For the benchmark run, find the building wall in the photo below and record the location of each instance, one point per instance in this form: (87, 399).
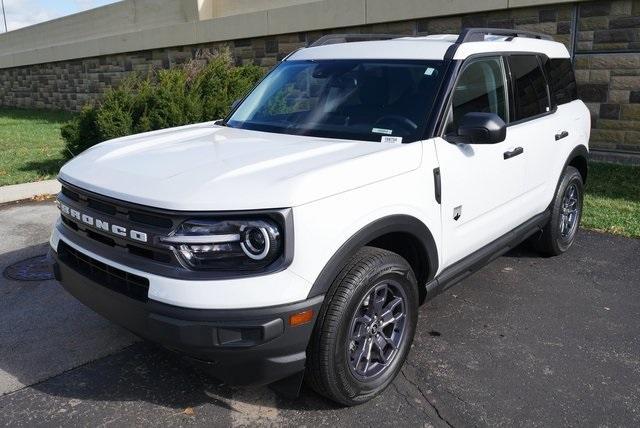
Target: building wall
(607, 61)
(604, 37)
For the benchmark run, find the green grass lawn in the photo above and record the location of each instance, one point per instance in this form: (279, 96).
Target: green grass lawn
(30, 145)
(612, 202)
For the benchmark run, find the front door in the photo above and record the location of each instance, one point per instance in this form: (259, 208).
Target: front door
(481, 183)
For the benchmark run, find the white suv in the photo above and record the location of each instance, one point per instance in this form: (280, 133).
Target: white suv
(361, 177)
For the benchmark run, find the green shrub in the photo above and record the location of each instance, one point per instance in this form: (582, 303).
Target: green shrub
(199, 91)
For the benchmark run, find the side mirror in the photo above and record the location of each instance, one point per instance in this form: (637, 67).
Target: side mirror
(481, 128)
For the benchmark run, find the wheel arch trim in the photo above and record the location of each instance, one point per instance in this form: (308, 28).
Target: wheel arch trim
(400, 223)
(578, 152)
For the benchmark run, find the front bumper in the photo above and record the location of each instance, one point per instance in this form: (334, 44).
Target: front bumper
(237, 346)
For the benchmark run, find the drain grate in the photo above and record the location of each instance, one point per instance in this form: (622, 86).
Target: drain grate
(38, 268)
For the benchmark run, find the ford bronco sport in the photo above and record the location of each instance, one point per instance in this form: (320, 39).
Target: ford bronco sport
(362, 176)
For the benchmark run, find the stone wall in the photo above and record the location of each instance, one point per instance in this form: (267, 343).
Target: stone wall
(607, 60)
(604, 37)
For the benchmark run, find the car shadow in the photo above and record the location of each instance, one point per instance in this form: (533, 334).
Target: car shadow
(149, 373)
(525, 250)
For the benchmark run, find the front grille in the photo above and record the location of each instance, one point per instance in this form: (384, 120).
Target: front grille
(134, 215)
(151, 220)
(101, 238)
(72, 224)
(158, 255)
(117, 280)
(102, 207)
(122, 214)
(70, 194)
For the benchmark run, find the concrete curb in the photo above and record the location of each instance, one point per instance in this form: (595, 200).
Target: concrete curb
(19, 192)
(624, 158)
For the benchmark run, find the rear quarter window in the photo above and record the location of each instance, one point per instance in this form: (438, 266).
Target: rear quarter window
(562, 80)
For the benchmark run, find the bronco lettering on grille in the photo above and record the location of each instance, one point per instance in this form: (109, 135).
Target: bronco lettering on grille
(102, 225)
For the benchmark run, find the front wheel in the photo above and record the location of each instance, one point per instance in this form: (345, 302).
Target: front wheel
(365, 328)
(566, 211)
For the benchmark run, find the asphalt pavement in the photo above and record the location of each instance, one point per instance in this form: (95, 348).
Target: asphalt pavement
(527, 341)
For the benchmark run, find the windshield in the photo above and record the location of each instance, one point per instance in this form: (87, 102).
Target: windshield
(371, 100)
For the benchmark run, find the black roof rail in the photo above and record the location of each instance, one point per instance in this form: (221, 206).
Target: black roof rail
(478, 34)
(466, 35)
(332, 39)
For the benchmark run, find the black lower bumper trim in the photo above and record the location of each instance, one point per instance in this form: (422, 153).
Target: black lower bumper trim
(237, 346)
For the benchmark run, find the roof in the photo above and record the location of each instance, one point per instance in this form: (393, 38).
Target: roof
(433, 47)
(405, 48)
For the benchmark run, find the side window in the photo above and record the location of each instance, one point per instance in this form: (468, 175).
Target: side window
(480, 88)
(530, 88)
(562, 80)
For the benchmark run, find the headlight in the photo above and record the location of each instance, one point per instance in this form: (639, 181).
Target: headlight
(229, 244)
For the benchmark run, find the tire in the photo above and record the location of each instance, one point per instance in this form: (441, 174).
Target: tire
(558, 236)
(332, 352)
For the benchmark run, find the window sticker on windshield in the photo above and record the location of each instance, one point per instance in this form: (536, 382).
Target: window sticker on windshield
(429, 71)
(382, 131)
(396, 140)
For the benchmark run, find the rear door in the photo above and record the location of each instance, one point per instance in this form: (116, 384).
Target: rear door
(568, 121)
(534, 126)
(480, 185)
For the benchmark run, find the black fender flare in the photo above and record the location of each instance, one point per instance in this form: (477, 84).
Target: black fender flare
(578, 151)
(391, 224)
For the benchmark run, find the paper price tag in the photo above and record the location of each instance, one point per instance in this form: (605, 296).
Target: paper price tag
(396, 140)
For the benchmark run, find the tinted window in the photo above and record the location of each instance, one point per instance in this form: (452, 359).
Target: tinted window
(371, 100)
(530, 87)
(480, 88)
(562, 81)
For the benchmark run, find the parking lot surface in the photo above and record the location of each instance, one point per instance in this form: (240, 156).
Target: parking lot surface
(526, 341)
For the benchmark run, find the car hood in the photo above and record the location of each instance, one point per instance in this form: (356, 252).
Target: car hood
(209, 167)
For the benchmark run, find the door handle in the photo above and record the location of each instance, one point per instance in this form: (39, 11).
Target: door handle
(515, 152)
(563, 134)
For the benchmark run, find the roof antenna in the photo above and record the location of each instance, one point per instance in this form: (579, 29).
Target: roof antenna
(4, 17)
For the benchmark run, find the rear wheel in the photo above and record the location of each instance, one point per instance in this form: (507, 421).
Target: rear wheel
(566, 211)
(365, 328)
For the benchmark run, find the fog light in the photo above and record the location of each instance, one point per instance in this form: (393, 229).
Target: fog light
(300, 318)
